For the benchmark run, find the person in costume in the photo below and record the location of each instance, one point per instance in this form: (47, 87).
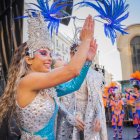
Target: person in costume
(135, 81)
(116, 105)
(130, 100)
(32, 87)
(87, 106)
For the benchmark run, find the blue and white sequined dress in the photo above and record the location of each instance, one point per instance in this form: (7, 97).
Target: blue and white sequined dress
(37, 120)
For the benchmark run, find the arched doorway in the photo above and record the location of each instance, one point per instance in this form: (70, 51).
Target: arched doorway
(135, 48)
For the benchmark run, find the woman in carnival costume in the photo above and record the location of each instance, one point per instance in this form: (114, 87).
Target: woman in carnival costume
(135, 81)
(116, 105)
(32, 88)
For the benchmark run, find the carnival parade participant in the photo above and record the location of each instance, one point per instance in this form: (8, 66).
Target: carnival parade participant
(135, 81)
(117, 115)
(116, 105)
(91, 123)
(30, 94)
(130, 99)
(66, 101)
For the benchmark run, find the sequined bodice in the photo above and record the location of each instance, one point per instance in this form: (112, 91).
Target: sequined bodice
(34, 116)
(37, 120)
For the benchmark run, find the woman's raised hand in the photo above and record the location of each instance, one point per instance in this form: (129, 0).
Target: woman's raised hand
(87, 31)
(92, 50)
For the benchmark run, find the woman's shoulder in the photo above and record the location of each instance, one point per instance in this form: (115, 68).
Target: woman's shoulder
(24, 95)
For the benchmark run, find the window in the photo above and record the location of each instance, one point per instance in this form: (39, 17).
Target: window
(135, 47)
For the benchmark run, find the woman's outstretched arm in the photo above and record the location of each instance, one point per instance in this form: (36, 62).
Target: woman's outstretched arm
(74, 84)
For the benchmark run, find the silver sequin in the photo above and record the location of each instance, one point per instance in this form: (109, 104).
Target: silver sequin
(34, 116)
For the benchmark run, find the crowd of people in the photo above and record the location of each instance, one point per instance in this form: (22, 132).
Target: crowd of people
(125, 106)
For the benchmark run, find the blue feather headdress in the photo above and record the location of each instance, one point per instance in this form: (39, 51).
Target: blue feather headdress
(135, 78)
(111, 11)
(52, 13)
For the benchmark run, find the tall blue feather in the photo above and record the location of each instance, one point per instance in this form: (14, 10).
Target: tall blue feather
(113, 11)
(51, 13)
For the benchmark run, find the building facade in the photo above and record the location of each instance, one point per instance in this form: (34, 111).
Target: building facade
(129, 48)
(62, 45)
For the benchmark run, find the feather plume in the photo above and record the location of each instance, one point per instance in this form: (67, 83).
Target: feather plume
(111, 11)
